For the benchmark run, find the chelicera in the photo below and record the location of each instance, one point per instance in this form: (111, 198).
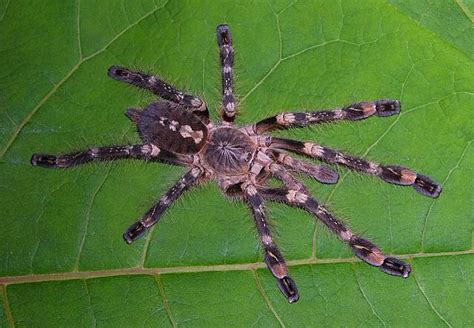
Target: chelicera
(176, 129)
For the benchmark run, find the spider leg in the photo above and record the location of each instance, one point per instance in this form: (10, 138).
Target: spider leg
(320, 173)
(362, 248)
(389, 173)
(109, 153)
(224, 41)
(281, 173)
(353, 112)
(273, 258)
(159, 88)
(152, 216)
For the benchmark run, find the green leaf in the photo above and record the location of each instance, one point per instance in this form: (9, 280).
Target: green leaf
(62, 258)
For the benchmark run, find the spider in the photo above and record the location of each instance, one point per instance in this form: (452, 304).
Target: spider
(176, 129)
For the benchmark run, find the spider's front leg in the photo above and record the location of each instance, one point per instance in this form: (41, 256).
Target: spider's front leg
(159, 88)
(353, 112)
(273, 258)
(152, 216)
(109, 153)
(389, 173)
(224, 41)
(362, 248)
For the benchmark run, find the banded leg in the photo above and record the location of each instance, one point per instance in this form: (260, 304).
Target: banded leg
(273, 258)
(353, 112)
(320, 173)
(109, 153)
(152, 216)
(362, 248)
(159, 88)
(282, 174)
(389, 173)
(224, 41)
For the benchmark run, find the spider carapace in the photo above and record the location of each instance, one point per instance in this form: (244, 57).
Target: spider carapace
(176, 129)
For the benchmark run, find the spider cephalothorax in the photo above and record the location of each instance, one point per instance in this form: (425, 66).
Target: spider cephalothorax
(241, 159)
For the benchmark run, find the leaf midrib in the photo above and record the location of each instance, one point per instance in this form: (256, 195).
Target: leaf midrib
(20, 279)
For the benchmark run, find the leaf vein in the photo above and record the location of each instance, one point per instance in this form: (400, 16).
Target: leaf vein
(465, 10)
(366, 298)
(265, 298)
(429, 301)
(203, 268)
(89, 300)
(5, 10)
(164, 300)
(81, 60)
(88, 217)
(6, 307)
(450, 172)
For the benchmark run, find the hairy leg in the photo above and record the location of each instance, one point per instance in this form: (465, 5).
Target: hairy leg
(320, 173)
(362, 248)
(273, 258)
(353, 112)
(224, 41)
(152, 216)
(389, 173)
(109, 153)
(160, 88)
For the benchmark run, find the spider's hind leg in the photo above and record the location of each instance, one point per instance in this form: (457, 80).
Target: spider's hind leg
(273, 258)
(362, 248)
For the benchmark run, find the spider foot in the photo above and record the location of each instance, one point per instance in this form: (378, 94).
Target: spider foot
(134, 232)
(387, 107)
(372, 255)
(406, 177)
(395, 267)
(288, 287)
(324, 174)
(426, 186)
(382, 107)
(223, 35)
(123, 74)
(44, 160)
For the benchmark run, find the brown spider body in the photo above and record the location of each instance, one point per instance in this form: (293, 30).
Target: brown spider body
(228, 152)
(177, 130)
(168, 126)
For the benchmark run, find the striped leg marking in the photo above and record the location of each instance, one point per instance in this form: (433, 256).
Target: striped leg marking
(320, 173)
(389, 173)
(353, 112)
(273, 258)
(153, 215)
(159, 88)
(362, 248)
(224, 41)
(109, 153)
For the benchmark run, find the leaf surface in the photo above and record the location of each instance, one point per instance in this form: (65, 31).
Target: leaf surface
(62, 258)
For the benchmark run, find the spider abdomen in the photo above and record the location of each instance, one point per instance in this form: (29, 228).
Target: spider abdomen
(172, 127)
(229, 151)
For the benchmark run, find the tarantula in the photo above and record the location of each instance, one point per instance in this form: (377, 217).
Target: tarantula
(176, 129)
